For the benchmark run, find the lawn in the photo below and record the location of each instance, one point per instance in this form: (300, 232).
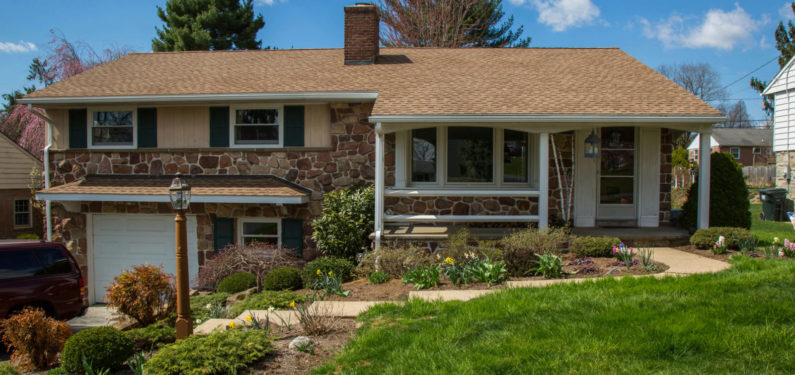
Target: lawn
(765, 231)
(738, 321)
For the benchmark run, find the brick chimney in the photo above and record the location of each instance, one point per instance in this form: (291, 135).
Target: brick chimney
(361, 34)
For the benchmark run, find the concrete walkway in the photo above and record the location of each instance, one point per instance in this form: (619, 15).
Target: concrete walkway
(680, 263)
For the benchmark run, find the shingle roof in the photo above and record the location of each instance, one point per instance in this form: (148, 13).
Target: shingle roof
(743, 137)
(250, 186)
(409, 81)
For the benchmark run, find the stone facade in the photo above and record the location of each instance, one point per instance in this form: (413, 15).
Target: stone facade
(666, 177)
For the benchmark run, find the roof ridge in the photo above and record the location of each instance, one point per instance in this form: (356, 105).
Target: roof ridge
(382, 48)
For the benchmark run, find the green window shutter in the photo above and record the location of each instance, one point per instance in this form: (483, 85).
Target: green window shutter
(219, 126)
(78, 128)
(294, 125)
(147, 127)
(223, 232)
(293, 235)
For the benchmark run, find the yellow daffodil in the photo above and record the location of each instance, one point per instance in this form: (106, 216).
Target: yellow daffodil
(231, 324)
(466, 255)
(449, 260)
(330, 273)
(292, 304)
(248, 318)
(270, 309)
(318, 272)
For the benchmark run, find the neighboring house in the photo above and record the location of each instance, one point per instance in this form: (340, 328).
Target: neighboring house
(781, 89)
(446, 136)
(17, 214)
(750, 147)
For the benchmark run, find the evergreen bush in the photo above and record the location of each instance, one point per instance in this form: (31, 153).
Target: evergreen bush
(343, 228)
(237, 282)
(706, 238)
(341, 268)
(281, 278)
(587, 246)
(728, 196)
(102, 347)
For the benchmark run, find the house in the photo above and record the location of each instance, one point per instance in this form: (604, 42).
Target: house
(780, 88)
(18, 216)
(750, 147)
(461, 136)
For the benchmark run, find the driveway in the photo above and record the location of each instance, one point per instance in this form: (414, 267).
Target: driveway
(96, 316)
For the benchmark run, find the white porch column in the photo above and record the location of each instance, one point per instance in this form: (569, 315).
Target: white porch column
(705, 152)
(379, 184)
(543, 180)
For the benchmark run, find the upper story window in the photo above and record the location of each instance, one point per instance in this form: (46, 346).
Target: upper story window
(256, 126)
(113, 129)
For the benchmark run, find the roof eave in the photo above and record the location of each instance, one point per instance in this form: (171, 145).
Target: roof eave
(324, 96)
(572, 118)
(163, 198)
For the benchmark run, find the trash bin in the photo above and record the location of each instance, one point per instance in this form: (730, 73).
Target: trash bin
(774, 204)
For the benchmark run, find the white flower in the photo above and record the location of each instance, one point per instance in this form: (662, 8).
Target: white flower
(270, 309)
(775, 239)
(209, 306)
(198, 321)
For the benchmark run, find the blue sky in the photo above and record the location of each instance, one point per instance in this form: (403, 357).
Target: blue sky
(734, 37)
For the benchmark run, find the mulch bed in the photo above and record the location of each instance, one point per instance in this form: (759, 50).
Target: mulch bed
(722, 257)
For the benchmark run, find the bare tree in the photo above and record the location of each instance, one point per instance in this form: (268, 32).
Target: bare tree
(699, 79)
(427, 23)
(736, 115)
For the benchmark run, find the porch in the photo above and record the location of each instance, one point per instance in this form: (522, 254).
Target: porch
(443, 177)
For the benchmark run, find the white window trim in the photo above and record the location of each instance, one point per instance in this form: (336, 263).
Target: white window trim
(90, 125)
(731, 151)
(29, 212)
(232, 123)
(497, 163)
(278, 221)
(757, 150)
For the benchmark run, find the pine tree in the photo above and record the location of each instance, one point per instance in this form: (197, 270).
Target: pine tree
(204, 25)
(785, 44)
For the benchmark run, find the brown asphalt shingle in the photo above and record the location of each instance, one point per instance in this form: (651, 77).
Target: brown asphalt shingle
(427, 81)
(259, 186)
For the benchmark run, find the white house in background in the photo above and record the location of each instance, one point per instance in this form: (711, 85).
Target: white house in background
(781, 88)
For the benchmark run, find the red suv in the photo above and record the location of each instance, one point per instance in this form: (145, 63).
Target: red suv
(41, 275)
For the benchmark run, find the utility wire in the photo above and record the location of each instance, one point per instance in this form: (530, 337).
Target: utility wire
(751, 72)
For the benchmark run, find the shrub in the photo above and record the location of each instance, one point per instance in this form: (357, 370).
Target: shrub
(34, 338)
(237, 282)
(315, 319)
(256, 258)
(460, 243)
(706, 238)
(151, 336)
(728, 196)
(102, 347)
(216, 353)
(9, 369)
(519, 249)
(28, 236)
(588, 246)
(342, 268)
(423, 277)
(379, 277)
(146, 294)
(281, 278)
(394, 259)
(266, 299)
(343, 227)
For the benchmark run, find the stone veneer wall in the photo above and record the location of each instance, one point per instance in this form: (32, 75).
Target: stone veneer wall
(349, 160)
(666, 176)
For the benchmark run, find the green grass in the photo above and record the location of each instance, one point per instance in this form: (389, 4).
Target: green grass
(765, 231)
(738, 321)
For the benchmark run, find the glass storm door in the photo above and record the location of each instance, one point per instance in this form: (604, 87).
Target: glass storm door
(617, 188)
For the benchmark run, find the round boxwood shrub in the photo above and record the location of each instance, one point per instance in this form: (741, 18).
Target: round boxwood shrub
(343, 227)
(593, 246)
(281, 278)
(728, 196)
(341, 268)
(237, 282)
(706, 238)
(103, 348)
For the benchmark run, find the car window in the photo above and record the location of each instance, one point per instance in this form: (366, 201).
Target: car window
(53, 261)
(18, 263)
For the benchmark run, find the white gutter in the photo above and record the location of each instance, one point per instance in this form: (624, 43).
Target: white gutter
(47, 204)
(331, 95)
(76, 197)
(544, 118)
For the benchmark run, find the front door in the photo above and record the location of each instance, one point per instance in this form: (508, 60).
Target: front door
(617, 187)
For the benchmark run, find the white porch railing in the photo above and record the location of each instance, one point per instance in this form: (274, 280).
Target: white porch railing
(460, 218)
(459, 193)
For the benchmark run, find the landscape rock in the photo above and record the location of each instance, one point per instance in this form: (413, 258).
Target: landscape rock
(300, 343)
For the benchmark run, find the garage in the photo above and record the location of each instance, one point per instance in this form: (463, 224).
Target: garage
(121, 241)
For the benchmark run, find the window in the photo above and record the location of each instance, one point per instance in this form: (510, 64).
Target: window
(735, 151)
(22, 213)
(113, 128)
(256, 127)
(470, 154)
(515, 151)
(423, 155)
(53, 262)
(757, 150)
(259, 230)
(18, 263)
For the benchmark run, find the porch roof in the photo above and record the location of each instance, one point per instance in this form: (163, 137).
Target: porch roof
(204, 189)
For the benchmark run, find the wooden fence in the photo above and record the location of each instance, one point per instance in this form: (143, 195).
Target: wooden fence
(762, 176)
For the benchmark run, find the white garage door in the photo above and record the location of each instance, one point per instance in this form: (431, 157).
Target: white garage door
(123, 241)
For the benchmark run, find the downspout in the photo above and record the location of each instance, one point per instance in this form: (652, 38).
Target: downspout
(47, 203)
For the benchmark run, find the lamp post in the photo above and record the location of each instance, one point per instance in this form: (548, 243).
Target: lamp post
(179, 193)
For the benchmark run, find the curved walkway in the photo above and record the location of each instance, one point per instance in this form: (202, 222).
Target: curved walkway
(679, 262)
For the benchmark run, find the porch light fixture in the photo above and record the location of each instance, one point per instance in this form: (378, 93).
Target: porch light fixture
(592, 145)
(179, 193)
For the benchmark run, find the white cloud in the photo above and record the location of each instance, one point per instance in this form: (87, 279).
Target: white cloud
(785, 12)
(21, 47)
(268, 2)
(562, 14)
(718, 29)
